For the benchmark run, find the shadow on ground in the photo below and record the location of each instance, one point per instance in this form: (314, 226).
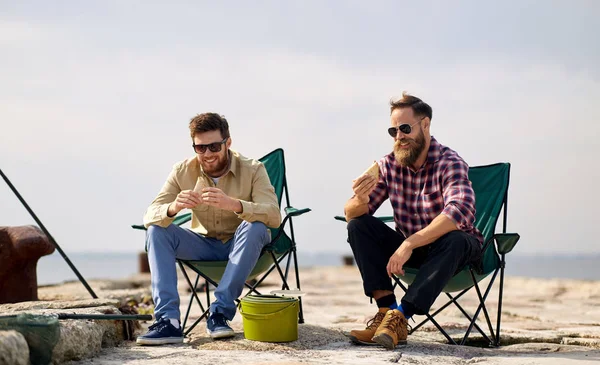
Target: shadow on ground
(309, 337)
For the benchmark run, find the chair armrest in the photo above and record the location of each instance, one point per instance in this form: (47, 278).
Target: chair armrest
(506, 241)
(385, 219)
(289, 213)
(179, 220)
(293, 212)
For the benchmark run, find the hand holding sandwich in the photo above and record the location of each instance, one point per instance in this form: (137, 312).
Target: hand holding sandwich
(217, 198)
(185, 199)
(365, 183)
(362, 187)
(210, 196)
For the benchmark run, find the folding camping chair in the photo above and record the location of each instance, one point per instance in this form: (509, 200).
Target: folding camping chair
(282, 246)
(490, 184)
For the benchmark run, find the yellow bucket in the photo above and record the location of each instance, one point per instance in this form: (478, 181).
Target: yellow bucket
(269, 318)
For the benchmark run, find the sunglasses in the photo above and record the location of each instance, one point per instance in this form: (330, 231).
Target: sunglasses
(213, 147)
(404, 128)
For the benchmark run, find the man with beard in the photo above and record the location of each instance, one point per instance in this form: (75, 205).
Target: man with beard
(232, 203)
(434, 211)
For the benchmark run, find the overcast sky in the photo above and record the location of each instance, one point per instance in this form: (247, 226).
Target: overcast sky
(95, 99)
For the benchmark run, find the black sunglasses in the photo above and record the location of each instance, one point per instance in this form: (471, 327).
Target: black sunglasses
(404, 128)
(213, 147)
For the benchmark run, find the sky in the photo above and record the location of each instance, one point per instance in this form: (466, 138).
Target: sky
(95, 100)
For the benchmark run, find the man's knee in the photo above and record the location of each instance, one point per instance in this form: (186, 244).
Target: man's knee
(257, 232)
(156, 231)
(453, 240)
(158, 235)
(360, 221)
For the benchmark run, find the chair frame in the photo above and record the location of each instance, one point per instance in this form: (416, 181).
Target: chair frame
(276, 258)
(276, 261)
(494, 337)
(504, 243)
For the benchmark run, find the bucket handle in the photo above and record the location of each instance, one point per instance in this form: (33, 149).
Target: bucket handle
(262, 316)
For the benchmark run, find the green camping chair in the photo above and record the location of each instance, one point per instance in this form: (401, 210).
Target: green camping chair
(490, 184)
(282, 246)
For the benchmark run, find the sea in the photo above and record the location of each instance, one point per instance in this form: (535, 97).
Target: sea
(53, 269)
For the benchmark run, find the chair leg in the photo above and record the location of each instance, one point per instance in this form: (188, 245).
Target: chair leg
(464, 312)
(187, 312)
(450, 340)
(205, 314)
(285, 284)
(187, 278)
(252, 288)
(207, 290)
(440, 309)
(495, 337)
(207, 310)
(301, 314)
(287, 265)
(501, 289)
(480, 307)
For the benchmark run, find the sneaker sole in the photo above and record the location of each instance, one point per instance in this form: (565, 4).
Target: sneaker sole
(220, 334)
(159, 341)
(387, 341)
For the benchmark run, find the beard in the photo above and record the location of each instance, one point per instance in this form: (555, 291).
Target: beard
(406, 157)
(216, 168)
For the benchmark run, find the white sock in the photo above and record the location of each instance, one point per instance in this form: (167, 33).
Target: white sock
(174, 322)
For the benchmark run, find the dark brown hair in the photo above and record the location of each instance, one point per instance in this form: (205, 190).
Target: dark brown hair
(419, 107)
(207, 122)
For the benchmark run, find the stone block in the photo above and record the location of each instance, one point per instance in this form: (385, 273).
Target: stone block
(13, 348)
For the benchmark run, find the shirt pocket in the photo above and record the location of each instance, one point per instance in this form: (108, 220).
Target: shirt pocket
(432, 204)
(201, 213)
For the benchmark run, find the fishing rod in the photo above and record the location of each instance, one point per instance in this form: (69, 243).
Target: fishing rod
(52, 240)
(112, 317)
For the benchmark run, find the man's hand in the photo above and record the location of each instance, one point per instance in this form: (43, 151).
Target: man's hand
(217, 198)
(185, 199)
(398, 260)
(363, 186)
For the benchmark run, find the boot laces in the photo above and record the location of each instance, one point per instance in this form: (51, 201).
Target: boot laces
(393, 323)
(159, 324)
(374, 322)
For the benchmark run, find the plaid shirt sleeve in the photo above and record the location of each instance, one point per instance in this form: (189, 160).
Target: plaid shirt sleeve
(459, 198)
(379, 194)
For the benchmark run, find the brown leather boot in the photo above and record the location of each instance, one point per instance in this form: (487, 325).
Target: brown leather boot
(392, 331)
(365, 337)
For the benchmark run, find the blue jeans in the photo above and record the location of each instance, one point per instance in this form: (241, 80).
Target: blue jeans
(167, 244)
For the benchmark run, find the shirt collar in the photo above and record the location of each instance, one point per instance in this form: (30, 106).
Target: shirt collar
(234, 159)
(435, 151)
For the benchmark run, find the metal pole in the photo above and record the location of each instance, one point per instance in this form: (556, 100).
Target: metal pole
(502, 265)
(41, 225)
(118, 317)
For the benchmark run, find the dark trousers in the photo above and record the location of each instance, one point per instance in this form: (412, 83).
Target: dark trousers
(373, 243)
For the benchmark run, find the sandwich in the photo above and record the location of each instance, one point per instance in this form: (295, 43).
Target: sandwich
(373, 171)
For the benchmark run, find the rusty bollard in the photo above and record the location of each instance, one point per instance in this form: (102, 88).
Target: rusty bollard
(20, 249)
(143, 265)
(348, 260)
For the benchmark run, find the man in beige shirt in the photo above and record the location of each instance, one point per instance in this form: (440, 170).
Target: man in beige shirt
(232, 203)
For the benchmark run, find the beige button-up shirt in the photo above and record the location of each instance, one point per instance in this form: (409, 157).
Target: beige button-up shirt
(246, 180)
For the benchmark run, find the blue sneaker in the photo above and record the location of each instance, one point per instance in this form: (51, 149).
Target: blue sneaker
(217, 326)
(162, 332)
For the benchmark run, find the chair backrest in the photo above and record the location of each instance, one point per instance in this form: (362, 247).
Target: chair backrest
(490, 184)
(274, 162)
(275, 165)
